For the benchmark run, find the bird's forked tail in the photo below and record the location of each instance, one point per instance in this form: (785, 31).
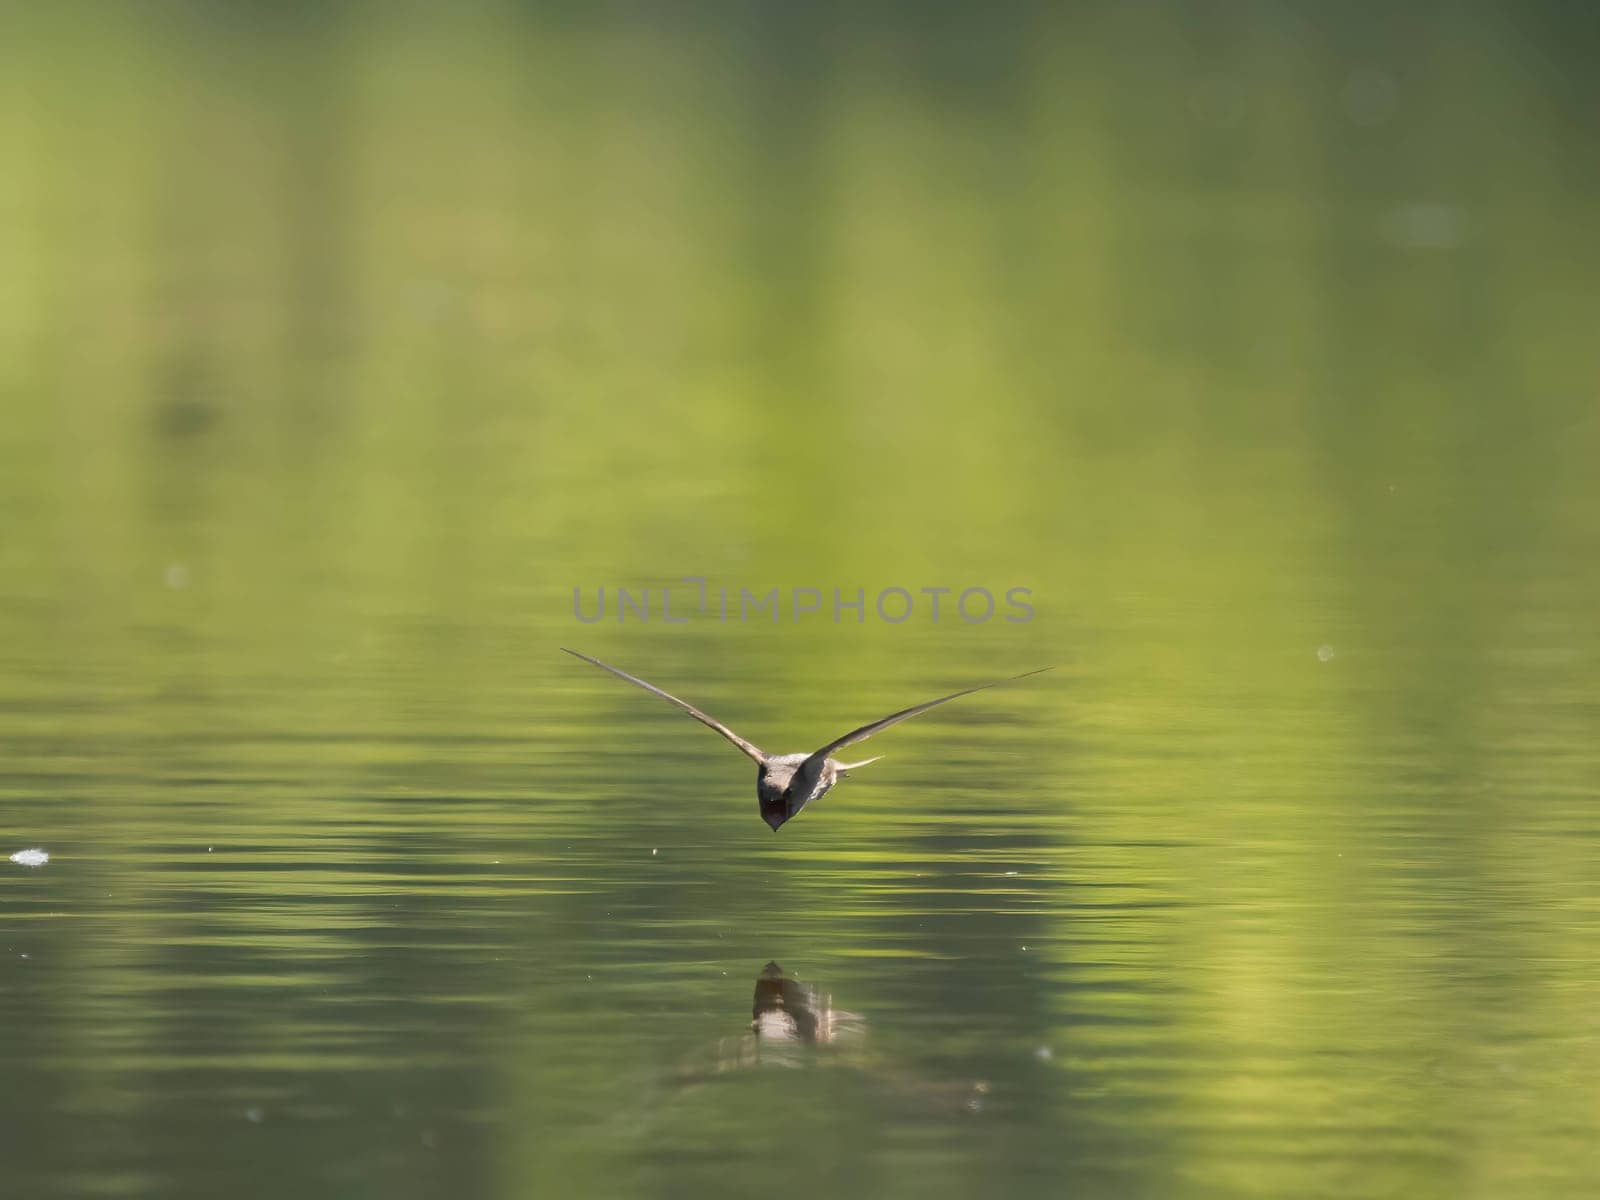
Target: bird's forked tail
(846, 768)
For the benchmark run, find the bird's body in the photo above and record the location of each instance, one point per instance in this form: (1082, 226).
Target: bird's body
(786, 783)
(776, 781)
(774, 776)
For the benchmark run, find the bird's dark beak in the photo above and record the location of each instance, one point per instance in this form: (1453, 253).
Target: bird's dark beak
(774, 819)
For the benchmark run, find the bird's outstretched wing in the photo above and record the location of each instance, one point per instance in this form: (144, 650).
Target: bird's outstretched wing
(905, 714)
(749, 748)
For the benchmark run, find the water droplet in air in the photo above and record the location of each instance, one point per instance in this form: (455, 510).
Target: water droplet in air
(1369, 96)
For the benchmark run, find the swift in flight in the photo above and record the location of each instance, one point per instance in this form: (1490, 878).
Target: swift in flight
(786, 783)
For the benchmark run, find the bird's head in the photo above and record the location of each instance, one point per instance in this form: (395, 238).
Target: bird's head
(775, 791)
(776, 811)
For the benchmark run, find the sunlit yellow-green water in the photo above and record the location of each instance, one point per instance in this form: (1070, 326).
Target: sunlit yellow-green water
(340, 346)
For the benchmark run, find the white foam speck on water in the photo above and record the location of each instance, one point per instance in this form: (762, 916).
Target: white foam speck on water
(30, 858)
(1427, 226)
(1324, 653)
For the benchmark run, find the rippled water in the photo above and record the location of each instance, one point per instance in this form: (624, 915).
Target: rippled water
(339, 351)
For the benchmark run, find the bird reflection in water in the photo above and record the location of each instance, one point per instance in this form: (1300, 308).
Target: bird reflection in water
(794, 1024)
(786, 1012)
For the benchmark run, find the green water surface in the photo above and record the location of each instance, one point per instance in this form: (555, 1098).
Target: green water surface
(340, 344)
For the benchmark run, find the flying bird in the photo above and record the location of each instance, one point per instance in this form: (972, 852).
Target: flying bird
(786, 783)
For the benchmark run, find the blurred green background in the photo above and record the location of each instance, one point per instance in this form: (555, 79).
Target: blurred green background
(340, 343)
